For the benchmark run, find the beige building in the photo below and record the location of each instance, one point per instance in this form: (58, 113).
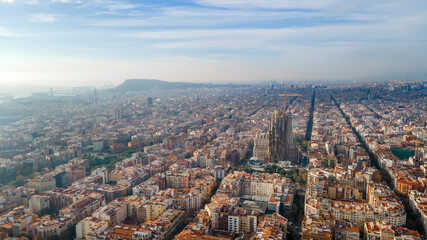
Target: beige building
(418, 202)
(135, 204)
(174, 181)
(39, 202)
(81, 208)
(315, 227)
(273, 227)
(90, 227)
(43, 184)
(45, 227)
(380, 230)
(192, 200)
(258, 187)
(146, 189)
(114, 214)
(156, 206)
(206, 185)
(261, 146)
(115, 175)
(242, 223)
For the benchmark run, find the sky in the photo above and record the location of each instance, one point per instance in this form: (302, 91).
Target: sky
(104, 42)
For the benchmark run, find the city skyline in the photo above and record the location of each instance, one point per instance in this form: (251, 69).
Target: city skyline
(161, 161)
(72, 43)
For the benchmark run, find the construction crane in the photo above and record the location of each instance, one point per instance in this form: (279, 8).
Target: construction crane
(287, 95)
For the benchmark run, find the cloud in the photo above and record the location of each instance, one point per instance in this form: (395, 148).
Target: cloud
(68, 1)
(215, 16)
(63, 1)
(108, 6)
(267, 4)
(191, 16)
(43, 17)
(31, 2)
(245, 39)
(119, 6)
(399, 29)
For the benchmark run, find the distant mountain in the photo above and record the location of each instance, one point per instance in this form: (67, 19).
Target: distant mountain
(151, 84)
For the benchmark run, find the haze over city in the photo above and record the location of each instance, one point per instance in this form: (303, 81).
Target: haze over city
(79, 43)
(213, 120)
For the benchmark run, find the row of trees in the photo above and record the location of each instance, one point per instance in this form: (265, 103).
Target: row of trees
(296, 175)
(110, 160)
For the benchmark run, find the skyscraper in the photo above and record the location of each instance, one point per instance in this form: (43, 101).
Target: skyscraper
(118, 113)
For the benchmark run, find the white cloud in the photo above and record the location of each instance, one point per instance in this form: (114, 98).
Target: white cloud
(43, 17)
(31, 2)
(271, 4)
(108, 6)
(205, 16)
(68, 1)
(119, 6)
(190, 17)
(396, 29)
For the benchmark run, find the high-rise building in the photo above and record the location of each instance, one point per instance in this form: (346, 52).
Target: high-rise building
(150, 101)
(118, 113)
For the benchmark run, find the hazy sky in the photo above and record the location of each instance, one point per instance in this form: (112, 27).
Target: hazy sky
(97, 42)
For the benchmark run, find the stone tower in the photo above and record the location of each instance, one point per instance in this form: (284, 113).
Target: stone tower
(281, 143)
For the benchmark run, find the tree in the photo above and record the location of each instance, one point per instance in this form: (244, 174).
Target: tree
(55, 237)
(72, 231)
(274, 168)
(248, 169)
(65, 235)
(53, 212)
(410, 224)
(292, 234)
(19, 181)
